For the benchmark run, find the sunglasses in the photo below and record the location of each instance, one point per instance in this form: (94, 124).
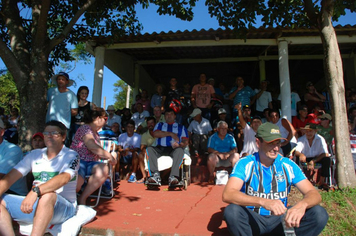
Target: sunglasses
(52, 133)
(105, 118)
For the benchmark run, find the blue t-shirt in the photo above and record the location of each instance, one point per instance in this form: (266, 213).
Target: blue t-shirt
(225, 145)
(272, 182)
(60, 105)
(243, 95)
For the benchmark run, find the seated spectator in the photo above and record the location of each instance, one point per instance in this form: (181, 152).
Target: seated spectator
(311, 149)
(11, 134)
(10, 155)
(37, 141)
(140, 115)
(133, 106)
(87, 144)
(295, 102)
(223, 117)
(263, 98)
(53, 198)
(112, 118)
(129, 148)
(257, 193)
(147, 140)
(250, 146)
(199, 131)
(14, 117)
(246, 113)
(172, 138)
(110, 134)
(144, 100)
(313, 98)
(174, 95)
(287, 131)
(325, 129)
(157, 114)
(300, 120)
(126, 116)
(265, 117)
(222, 150)
(158, 98)
(314, 116)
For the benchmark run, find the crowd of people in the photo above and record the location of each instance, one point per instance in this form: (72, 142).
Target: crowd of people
(217, 127)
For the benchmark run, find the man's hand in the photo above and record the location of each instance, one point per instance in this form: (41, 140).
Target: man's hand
(294, 215)
(175, 144)
(175, 137)
(302, 158)
(112, 160)
(238, 106)
(28, 202)
(275, 206)
(310, 165)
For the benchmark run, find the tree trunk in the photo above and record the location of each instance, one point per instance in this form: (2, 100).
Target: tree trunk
(334, 77)
(32, 91)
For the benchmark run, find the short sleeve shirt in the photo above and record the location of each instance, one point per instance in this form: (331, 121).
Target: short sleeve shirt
(129, 142)
(272, 182)
(318, 146)
(176, 128)
(60, 105)
(202, 94)
(263, 101)
(147, 139)
(43, 169)
(79, 146)
(222, 145)
(243, 96)
(250, 146)
(201, 128)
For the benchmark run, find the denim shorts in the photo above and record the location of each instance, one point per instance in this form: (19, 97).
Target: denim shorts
(86, 167)
(63, 209)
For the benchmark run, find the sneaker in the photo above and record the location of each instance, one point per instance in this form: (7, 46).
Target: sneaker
(132, 179)
(117, 177)
(172, 180)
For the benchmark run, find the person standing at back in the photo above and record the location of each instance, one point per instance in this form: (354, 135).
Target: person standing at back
(62, 102)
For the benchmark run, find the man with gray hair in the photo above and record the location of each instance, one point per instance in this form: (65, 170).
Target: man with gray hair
(222, 150)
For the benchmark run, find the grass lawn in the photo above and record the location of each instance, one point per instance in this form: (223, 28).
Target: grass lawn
(341, 207)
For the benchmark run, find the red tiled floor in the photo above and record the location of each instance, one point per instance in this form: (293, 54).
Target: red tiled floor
(135, 210)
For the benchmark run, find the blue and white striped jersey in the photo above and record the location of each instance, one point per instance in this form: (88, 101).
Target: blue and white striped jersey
(176, 128)
(272, 182)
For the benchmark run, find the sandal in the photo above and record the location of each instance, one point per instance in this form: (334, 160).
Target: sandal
(141, 181)
(211, 180)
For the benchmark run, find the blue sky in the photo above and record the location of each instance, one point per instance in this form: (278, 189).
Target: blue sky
(153, 22)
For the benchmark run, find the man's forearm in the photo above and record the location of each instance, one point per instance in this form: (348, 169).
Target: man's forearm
(55, 183)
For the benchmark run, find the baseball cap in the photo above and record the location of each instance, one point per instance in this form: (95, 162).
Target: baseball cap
(195, 112)
(211, 79)
(221, 111)
(38, 134)
(54, 78)
(269, 132)
(309, 83)
(246, 107)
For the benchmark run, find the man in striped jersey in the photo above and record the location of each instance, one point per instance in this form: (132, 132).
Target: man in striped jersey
(258, 188)
(172, 138)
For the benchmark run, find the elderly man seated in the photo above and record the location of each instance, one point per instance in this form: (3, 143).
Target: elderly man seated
(222, 150)
(311, 149)
(199, 131)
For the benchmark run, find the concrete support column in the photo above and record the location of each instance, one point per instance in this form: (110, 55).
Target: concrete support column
(98, 75)
(284, 79)
(136, 87)
(262, 70)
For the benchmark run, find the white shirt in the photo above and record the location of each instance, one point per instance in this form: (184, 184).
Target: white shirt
(250, 146)
(201, 128)
(130, 142)
(139, 117)
(318, 146)
(263, 101)
(114, 119)
(294, 100)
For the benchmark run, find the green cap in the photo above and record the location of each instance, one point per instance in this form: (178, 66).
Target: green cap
(269, 132)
